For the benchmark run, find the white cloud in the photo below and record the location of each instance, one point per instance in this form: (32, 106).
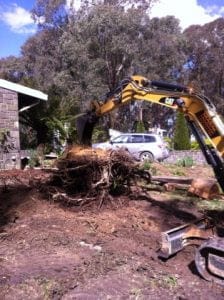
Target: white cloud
(18, 19)
(73, 4)
(215, 9)
(188, 12)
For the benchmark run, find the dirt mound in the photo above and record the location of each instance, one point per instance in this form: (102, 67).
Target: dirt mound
(160, 168)
(50, 251)
(79, 151)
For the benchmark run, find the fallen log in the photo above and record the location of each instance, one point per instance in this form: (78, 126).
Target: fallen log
(172, 179)
(203, 188)
(175, 186)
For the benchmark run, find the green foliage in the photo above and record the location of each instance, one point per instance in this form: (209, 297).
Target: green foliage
(195, 145)
(78, 56)
(99, 135)
(6, 142)
(108, 43)
(34, 160)
(215, 204)
(147, 165)
(61, 129)
(185, 162)
(178, 172)
(140, 127)
(169, 142)
(205, 50)
(49, 13)
(181, 139)
(170, 281)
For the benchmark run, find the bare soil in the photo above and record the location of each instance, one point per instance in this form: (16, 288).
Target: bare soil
(52, 251)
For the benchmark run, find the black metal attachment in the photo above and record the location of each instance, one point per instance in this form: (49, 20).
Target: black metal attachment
(210, 155)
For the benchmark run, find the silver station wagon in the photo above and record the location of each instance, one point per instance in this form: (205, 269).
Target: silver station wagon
(142, 146)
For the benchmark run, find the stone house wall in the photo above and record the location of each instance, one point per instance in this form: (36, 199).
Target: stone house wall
(9, 121)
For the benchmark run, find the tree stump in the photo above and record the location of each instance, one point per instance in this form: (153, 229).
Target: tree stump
(204, 188)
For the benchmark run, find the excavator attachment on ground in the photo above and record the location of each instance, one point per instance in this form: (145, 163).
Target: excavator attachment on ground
(209, 257)
(205, 123)
(176, 239)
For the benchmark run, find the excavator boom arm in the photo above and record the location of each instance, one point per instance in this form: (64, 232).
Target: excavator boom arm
(196, 107)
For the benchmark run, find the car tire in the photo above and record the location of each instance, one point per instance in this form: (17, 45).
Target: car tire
(146, 156)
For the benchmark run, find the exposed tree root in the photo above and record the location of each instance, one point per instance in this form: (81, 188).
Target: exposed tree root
(94, 176)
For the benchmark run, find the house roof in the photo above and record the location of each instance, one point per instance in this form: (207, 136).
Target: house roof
(21, 89)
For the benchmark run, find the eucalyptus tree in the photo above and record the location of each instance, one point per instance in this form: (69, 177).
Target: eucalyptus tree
(50, 14)
(161, 58)
(205, 67)
(41, 57)
(83, 53)
(11, 68)
(98, 49)
(105, 43)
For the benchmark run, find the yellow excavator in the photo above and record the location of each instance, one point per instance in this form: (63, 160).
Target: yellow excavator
(205, 123)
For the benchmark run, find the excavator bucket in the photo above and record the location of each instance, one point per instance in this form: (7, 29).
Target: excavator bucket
(176, 239)
(85, 124)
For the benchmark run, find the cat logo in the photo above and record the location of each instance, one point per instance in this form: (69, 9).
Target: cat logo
(169, 101)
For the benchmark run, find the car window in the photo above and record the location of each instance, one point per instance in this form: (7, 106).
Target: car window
(121, 139)
(149, 139)
(137, 138)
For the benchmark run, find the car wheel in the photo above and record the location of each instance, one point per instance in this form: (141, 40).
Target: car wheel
(146, 156)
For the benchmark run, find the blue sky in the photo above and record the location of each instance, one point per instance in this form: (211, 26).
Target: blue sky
(16, 24)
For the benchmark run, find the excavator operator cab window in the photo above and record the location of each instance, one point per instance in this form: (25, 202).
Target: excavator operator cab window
(143, 82)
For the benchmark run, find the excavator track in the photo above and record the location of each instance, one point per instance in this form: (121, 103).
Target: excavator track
(209, 260)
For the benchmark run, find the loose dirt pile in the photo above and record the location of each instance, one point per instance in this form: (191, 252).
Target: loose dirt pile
(52, 250)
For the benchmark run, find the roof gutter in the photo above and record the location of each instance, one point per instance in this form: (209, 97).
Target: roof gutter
(22, 89)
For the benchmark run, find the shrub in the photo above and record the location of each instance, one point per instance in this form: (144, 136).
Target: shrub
(6, 141)
(181, 134)
(147, 165)
(195, 145)
(99, 135)
(168, 142)
(185, 162)
(140, 127)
